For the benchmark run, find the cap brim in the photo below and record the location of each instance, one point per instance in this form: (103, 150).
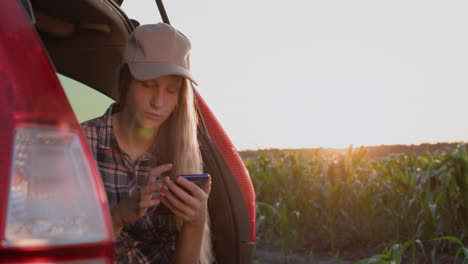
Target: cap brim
(149, 70)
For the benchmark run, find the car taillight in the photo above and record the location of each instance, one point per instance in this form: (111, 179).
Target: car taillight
(72, 262)
(52, 197)
(53, 207)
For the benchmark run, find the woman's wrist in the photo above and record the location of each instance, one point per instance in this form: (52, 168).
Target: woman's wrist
(116, 220)
(197, 224)
(195, 229)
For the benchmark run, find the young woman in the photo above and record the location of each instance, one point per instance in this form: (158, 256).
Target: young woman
(149, 133)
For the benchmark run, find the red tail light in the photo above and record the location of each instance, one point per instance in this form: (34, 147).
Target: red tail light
(52, 204)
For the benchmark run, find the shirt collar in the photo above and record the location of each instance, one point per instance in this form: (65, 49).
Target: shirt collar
(107, 139)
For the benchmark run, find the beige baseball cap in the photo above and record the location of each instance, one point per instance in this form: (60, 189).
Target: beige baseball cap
(155, 50)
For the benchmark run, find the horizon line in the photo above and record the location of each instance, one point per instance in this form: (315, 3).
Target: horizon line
(354, 146)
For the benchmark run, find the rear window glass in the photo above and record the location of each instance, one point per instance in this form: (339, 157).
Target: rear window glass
(86, 102)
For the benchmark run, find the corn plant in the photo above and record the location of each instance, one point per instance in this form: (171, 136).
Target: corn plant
(392, 255)
(339, 201)
(461, 250)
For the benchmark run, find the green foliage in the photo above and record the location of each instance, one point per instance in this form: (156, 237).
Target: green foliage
(338, 201)
(461, 250)
(392, 255)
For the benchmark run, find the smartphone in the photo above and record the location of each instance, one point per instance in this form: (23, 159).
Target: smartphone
(199, 179)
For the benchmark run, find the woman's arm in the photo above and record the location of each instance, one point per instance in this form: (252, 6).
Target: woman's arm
(135, 207)
(189, 244)
(193, 209)
(116, 221)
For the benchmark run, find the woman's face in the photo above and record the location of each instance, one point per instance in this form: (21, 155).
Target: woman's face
(151, 102)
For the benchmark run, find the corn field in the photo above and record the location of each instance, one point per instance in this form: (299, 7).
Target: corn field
(344, 201)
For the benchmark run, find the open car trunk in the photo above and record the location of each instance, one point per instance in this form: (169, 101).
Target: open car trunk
(85, 40)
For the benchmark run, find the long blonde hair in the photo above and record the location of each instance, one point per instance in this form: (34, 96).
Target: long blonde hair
(177, 137)
(177, 143)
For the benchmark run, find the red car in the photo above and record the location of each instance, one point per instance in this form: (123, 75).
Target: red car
(53, 207)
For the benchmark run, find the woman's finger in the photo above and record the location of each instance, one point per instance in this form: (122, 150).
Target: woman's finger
(149, 203)
(207, 187)
(180, 204)
(180, 193)
(154, 173)
(147, 191)
(171, 207)
(196, 191)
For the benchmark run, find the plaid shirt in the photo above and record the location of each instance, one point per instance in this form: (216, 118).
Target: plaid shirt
(152, 239)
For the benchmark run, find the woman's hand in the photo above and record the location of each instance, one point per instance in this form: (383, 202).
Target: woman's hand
(191, 208)
(138, 204)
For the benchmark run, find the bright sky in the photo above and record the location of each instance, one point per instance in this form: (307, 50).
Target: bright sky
(295, 74)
